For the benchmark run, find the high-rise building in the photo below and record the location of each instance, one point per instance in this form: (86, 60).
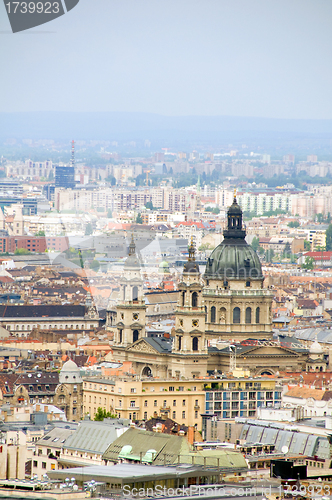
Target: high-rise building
(64, 176)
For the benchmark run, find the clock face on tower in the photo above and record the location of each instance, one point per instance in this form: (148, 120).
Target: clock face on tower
(135, 316)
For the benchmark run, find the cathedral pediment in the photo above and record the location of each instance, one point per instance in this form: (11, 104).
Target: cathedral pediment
(136, 326)
(267, 351)
(142, 346)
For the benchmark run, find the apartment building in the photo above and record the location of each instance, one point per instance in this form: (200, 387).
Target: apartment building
(230, 398)
(30, 169)
(122, 199)
(182, 401)
(262, 202)
(48, 448)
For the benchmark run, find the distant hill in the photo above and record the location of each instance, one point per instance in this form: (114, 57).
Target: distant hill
(141, 126)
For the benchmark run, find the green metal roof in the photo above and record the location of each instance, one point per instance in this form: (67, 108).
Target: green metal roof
(150, 447)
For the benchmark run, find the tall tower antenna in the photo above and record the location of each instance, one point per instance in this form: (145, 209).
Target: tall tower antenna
(72, 153)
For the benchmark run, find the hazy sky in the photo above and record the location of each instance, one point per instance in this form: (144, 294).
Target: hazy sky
(264, 58)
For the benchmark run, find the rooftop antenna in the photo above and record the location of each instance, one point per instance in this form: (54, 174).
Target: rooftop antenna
(73, 153)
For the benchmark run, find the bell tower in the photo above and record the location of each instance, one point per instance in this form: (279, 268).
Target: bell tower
(190, 312)
(131, 310)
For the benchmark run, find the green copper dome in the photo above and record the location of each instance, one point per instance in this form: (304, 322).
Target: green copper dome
(233, 257)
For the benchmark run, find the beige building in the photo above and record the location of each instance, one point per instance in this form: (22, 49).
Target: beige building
(180, 400)
(47, 451)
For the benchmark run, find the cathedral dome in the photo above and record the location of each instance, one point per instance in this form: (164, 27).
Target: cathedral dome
(233, 257)
(315, 348)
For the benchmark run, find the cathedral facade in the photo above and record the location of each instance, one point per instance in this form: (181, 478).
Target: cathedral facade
(227, 303)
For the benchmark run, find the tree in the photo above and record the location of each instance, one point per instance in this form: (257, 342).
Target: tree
(40, 233)
(308, 263)
(287, 251)
(328, 234)
(88, 229)
(111, 179)
(102, 413)
(293, 223)
(205, 246)
(307, 245)
(139, 219)
(149, 205)
(21, 251)
(95, 265)
(255, 243)
(269, 254)
(260, 250)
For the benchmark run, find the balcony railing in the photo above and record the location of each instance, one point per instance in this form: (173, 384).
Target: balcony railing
(237, 293)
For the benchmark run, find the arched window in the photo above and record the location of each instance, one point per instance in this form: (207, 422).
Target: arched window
(135, 335)
(248, 315)
(135, 293)
(195, 344)
(213, 314)
(146, 372)
(120, 336)
(236, 315)
(183, 297)
(257, 314)
(194, 299)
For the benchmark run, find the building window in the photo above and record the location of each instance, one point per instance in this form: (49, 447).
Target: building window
(35, 463)
(132, 404)
(183, 402)
(174, 415)
(43, 465)
(183, 414)
(194, 299)
(195, 344)
(236, 315)
(146, 402)
(196, 414)
(213, 314)
(171, 389)
(155, 403)
(248, 315)
(257, 314)
(145, 415)
(133, 389)
(174, 402)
